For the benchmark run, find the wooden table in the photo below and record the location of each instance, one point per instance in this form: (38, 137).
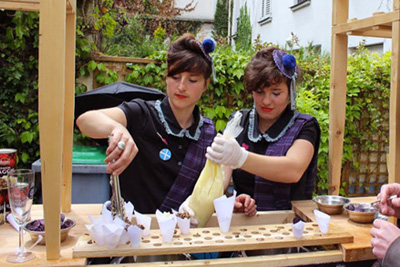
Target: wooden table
(9, 238)
(359, 250)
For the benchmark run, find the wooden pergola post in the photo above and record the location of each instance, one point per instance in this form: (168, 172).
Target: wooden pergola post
(56, 107)
(380, 25)
(337, 101)
(394, 115)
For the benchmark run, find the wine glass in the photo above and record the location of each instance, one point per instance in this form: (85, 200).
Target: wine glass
(20, 195)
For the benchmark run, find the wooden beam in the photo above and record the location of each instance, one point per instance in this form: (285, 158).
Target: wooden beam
(382, 28)
(279, 260)
(363, 24)
(68, 111)
(337, 102)
(372, 33)
(23, 5)
(394, 112)
(52, 52)
(71, 6)
(126, 59)
(396, 5)
(32, 5)
(340, 11)
(337, 110)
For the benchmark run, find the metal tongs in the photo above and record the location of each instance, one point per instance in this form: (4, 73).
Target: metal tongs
(379, 200)
(117, 202)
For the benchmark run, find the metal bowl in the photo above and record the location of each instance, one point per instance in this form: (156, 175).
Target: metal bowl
(362, 213)
(35, 234)
(331, 204)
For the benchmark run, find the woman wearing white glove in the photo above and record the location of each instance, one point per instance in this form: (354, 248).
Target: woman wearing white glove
(274, 158)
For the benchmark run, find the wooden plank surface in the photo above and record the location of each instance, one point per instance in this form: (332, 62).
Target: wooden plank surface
(80, 212)
(9, 238)
(210, 239)
(280, 260)
(360, 248)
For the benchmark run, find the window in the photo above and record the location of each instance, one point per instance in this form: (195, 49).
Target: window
(265, 11)
(298, 4)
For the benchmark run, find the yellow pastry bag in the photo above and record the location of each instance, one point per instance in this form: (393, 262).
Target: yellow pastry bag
(210, 184)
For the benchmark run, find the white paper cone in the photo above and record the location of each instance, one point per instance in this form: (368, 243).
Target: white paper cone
(224, 209)
(144, 220)
(96, 232)
(184, 225)
(167, 223)
(298, 229)
(322, 220)
(167, 229)
(129, 210)
(112, 235)
(135, 235)
(106, 214)
(124, 237)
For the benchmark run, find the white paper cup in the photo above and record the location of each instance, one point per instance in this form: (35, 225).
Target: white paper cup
(224, 209)
(112, 235)
(135, 235)
(323, 220)
(298, 229)
(167, 229)
(144, 220)
(184, 225)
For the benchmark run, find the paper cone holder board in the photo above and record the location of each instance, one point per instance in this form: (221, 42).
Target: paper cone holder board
(210, 239)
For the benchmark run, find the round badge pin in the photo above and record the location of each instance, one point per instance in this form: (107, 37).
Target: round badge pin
(165, 154)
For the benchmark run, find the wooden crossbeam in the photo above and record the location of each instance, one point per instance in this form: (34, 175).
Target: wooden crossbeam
(22, 5)
(367, 23)
(372, 33)
(31, 5)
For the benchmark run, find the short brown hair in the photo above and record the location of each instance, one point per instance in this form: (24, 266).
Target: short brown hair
(184, 55)
(262, 71)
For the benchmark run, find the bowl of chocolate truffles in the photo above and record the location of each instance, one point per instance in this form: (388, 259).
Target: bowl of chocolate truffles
(361, 212)
(36, 228)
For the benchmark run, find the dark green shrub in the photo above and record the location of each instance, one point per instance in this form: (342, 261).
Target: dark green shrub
(19, 85)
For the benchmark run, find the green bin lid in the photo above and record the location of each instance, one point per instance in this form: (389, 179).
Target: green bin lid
(88, 154)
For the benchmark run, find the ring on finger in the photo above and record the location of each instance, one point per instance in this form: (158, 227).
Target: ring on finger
(121, 145)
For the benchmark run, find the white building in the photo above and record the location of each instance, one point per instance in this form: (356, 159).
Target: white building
(204, 12)
(309, 20)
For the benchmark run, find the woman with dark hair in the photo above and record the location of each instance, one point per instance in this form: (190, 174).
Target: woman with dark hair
(159, 146)
(274, 158)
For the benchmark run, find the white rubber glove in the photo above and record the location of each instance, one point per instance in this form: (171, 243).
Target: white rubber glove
(184, 208)
(227, 152)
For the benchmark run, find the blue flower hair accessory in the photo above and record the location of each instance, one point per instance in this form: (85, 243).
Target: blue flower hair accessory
(207, 47)
(286, 63)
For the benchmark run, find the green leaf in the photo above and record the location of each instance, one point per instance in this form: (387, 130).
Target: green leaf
(26, 137)
(92, 65)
